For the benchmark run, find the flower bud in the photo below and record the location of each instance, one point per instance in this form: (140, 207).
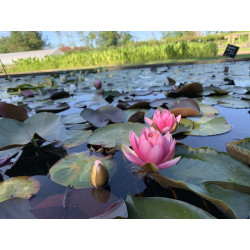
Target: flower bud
(98, 84)
(99, 174)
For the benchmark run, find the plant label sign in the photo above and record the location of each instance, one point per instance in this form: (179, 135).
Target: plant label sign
(231, 51)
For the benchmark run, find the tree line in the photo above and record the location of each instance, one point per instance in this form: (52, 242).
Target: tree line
(19, 41)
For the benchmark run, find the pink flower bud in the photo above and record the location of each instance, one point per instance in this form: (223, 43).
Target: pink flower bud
(98, 84)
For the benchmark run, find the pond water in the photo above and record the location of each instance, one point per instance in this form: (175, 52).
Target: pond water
(58, 201)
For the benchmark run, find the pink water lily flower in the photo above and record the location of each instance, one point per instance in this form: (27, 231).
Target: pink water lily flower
(164, 122)
(151, 147)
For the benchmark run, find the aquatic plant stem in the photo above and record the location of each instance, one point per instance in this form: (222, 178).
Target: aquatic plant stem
(37, 148)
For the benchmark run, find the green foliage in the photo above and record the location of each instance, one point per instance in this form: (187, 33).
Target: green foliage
(19, 41)
(117, 56)
(104, 39)
(185, 49)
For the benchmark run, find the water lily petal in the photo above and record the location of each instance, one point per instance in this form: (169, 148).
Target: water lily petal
(134, 140)
(148, 121)
(155, 155)
(131, 156)
(165, 130)
(159, 123)
(170, 152)
(178, 118)
(144, 149)
(169, 164)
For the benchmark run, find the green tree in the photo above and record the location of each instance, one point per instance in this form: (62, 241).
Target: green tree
(108, 38)
(171, 34)
(19, 41)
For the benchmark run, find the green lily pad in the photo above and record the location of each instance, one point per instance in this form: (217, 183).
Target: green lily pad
(72, 119)
(208, 109)
(184, 126)
(20, 187)
(163, 208)
(240, 149)
(14, 133)
(234, 103)
(75, 138)
(213, 100)
(207, 125)
(202, 166)
(114, 135)
(75, 169)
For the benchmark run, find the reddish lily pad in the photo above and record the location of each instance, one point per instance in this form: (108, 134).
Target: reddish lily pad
(187, 107)
(13, 112)
(79, 204)
(27, 93)
(103, 115)
(187, 90)
(53, 108)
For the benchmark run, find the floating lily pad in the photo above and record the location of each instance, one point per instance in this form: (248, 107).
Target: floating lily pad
(187, 107)
(129, 112)
(14, 133)
(59, 95)
(184, 126)
(234, 103)
(72, 119)
(13, 112)
(15, 208)
(114, 135)
(240, 149)
(75, 169)
(27, 93)
(103, 115)
(207, 125)
(163, 208)
(82, 126)
(187, 90)
(142, 93)
(75, 138)
(213, 100)
(208, 109)
(54, 108)
(20, 187)
(171, 81)
(202, 166)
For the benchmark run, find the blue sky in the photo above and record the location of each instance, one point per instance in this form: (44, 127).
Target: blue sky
(70, 37)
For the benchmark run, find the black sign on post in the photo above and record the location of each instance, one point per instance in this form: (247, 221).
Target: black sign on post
(231, 51)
